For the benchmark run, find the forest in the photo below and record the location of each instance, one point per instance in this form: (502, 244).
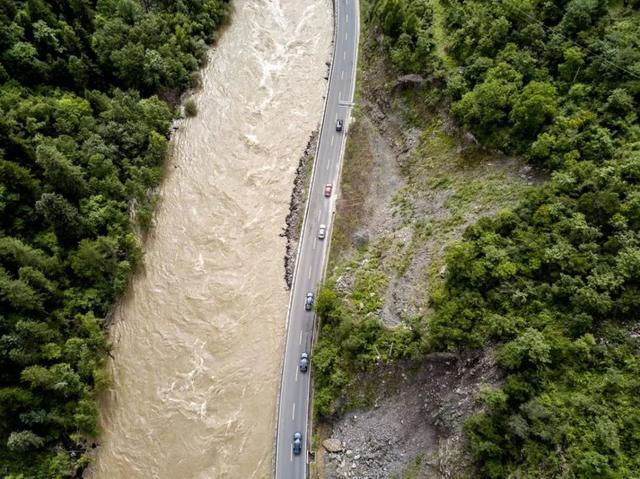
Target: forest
(552, 285)
(88, 89)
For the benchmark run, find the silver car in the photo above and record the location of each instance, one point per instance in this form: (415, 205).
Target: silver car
(308, 302)
(322, 231)
(297, 443)
(304, 362)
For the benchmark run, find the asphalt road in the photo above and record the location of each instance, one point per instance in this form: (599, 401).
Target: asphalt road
(293, 410)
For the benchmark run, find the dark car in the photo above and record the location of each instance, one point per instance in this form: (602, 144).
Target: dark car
(338, 125)
(327, 190)
(297, 443)
(304, 362)
(308, 302)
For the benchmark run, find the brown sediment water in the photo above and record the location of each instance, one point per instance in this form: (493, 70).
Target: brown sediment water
(197, 340)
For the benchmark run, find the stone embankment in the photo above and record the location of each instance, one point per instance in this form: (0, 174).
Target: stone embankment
(297, 205)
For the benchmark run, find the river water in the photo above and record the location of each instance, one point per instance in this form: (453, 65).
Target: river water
(197, 341)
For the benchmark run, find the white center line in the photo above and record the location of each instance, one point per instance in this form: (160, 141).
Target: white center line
(300, 342)
(347, 18)
(344, 56)
(346, 35)
(291, 455)
(293, 414)
(315, 241)
(296, 374)
(319, 214)
(332, 138)
(310, 269)
(327, 167)
(342, 75)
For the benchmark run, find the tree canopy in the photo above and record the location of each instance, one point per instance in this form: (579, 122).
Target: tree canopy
(554, 283)
(87, 90)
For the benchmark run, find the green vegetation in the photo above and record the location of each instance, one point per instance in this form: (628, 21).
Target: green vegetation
(413, 470)
(86, 94)
(190, 108)
(407, 26)
(554, 282)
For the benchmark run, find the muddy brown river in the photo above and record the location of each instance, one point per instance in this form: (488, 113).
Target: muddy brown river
(197, 341)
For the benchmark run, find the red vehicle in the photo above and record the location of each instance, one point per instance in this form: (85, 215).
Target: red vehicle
(327, 189)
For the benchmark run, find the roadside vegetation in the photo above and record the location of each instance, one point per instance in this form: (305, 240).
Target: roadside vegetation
(550, 279)
(87, 91)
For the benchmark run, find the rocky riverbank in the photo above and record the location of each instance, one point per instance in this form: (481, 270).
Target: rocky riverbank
(296, 206)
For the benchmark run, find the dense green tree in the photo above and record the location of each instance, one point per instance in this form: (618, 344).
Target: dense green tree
(85, 92)
(553, 284)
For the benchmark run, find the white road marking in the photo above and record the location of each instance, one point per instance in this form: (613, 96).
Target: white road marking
(344, 55)
(332, 138)
(315, 240)
(296, 374)
(291, 455)
(327, 167)
(346, 35)
(319, 212)
(300, 342)
(310, 269)
(347, 18)
(342, 75)
(293, 414)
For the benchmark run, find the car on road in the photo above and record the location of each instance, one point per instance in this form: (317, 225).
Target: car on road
(304, 362)
(297, 442)
(327, 190)
(322, 231)
(338, 125)
(308, 301)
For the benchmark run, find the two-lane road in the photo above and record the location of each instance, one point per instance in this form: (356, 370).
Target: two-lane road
(293, 410)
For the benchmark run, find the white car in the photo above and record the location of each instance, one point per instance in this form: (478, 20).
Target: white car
(322, 231)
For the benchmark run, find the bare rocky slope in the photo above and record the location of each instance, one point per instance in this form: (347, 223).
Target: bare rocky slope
(414, 428)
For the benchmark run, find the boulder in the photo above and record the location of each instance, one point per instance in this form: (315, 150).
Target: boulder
(332, 445)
